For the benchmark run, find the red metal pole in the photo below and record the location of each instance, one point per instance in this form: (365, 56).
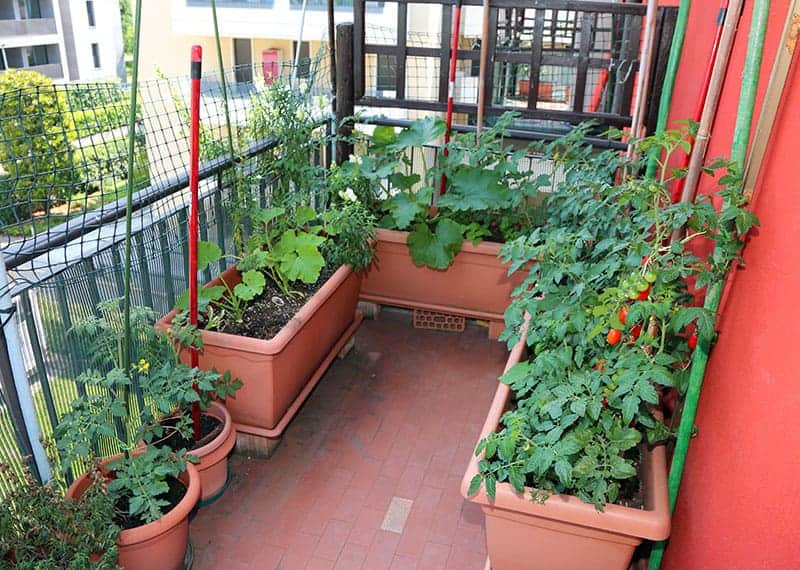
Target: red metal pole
(677, 189)
(451, 86)
(194, 154)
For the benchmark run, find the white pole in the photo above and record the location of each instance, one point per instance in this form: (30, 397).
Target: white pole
(23, 388)
(299, 43)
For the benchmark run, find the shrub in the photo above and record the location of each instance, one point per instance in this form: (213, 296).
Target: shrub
(106, 118)
(36, 149)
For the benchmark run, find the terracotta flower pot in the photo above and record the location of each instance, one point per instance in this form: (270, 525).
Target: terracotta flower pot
(476, 285)
(159, 544)
(213, 456)
(566, 533)
(278, 374)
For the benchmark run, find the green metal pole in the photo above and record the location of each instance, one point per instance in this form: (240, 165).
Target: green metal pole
(741, 138)
(126, 349)
(668, 87)
(238, 238)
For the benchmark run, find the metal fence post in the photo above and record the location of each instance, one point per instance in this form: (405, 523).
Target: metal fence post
(16, 388)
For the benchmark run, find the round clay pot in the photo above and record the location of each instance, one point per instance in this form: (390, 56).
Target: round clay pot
(213, 466)
(159, 544)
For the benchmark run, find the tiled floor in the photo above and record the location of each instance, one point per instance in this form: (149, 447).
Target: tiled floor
(398, 417)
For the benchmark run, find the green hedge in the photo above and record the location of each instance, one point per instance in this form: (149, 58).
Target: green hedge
(92, 121)
(36, 133)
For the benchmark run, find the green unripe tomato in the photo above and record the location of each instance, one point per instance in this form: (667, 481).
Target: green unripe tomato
(650, 276)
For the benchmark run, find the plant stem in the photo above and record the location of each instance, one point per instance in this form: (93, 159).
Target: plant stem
(126, 347)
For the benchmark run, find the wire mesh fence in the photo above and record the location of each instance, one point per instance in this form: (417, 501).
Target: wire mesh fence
(63, 150)
(63, 196)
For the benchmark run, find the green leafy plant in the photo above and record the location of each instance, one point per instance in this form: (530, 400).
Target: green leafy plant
(611, 321)
(109, 411)
(42, 530)
(37, 133)
(349, 227)
(282, 248)
(488, 194)
(291, 117)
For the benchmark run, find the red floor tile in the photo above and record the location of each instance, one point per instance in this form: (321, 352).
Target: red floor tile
(398, 417)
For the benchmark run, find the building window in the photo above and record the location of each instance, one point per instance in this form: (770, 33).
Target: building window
(37, 55)
(90, 12)
(386, 73)
(30, 9)
(96, 55)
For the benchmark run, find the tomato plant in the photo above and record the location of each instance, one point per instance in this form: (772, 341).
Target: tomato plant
(609, 305)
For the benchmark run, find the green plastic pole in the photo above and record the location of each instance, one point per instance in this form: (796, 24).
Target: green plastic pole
(238, 239)
(668, 87)
(741, 138)
(126, 349)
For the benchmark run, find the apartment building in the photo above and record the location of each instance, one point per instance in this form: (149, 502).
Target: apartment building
(66, 40)
(250, 30)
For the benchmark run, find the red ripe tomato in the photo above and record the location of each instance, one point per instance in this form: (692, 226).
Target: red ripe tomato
(643, 295)
(645, 259)
(623, 314)
(636, 331)
(692, 342)
(614, 336)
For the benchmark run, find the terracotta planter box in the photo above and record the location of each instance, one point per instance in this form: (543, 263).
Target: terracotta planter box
(476, 285)
(565, 533)
(278, 374)
(161, 543)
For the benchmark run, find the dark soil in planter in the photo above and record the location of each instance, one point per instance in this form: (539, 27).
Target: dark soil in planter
(173, 496)
(267, 314)
(210, 427)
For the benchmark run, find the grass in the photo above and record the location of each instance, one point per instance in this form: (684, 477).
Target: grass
(110, 191)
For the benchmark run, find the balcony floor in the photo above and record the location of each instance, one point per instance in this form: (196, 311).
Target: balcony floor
(397, 418)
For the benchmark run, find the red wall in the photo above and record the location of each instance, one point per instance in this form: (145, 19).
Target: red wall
(739, 504)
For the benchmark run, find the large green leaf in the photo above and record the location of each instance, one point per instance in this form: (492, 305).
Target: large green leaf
(252, 285)
(475, 189)
(304, 214)
(435, 249)
(207, 253)
(404, 207)
(266, 215)
(419, 133)
(382, 136)
(299, 257)
(305, 265)
(403, 181)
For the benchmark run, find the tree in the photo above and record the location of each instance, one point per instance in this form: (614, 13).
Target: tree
(36, 134)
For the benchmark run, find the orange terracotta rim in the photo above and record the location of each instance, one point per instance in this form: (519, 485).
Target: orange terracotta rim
(484, 248)
(217, 446)
(277, 343)
(171, 519)
(651, 523)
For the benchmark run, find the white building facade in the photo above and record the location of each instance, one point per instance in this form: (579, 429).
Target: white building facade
(66, 40)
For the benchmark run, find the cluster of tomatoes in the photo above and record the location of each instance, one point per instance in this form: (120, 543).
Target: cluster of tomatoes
(637, 288)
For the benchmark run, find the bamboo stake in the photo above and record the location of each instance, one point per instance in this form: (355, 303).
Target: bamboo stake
(642, 87)
(712, 103)
(482, 72)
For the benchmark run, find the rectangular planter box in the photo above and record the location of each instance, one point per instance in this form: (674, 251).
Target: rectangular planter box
(565, 533)
(278, 373)
(476, 285)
